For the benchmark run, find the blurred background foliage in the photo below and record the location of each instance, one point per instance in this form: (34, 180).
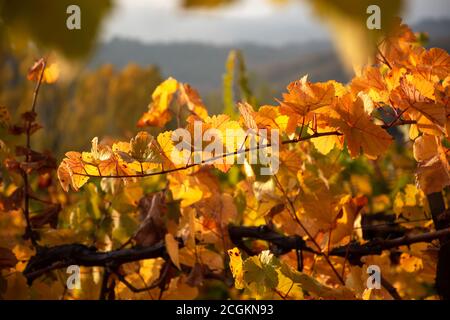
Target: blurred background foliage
(43, 22)
(105, 100)
(100, 102)
(103, 87)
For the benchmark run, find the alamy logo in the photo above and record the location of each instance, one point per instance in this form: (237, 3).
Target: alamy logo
(73, 22)
(374, 20)
(73, 281)
(374, 279)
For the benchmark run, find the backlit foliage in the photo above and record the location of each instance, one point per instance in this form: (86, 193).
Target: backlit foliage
(344, 157)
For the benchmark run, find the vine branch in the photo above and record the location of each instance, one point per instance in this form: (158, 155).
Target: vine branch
(58, 257)
(212, 159)
(29, 232)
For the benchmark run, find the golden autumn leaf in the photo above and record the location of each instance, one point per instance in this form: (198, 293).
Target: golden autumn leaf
(396, 47)
(50, 75)
(220, 138)
(409, 204)
(248, 115)
(372, 82)
(433, 172)
(190, 97)
(100, 161)
(359, 131)
(158, 114)
(434, 62)
(187, 191)
(304, 97)
(72, 171)
(163, 149)
(267, 117)
(324, 144)
(410, 263)
(236, 267)
(433, 175)
(425, 87)
(367, 294)
(141, 147)
(140, 154)
(344, 223)
(430, 116)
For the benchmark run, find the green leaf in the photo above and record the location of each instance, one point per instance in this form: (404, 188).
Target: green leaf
(260, 272)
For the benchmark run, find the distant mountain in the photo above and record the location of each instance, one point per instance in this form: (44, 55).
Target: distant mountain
(436, 28)
(202, 65)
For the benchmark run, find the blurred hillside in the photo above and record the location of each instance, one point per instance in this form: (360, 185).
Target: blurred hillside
(202, 65)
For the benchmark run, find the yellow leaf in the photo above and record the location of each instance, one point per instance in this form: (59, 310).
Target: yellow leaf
(325, 144)
(163, 148)
(425, 87)
(163, 93)
(172, 249)
(410, 263)
(236, 267)
(367, 293)
(186, 191)
(191, 98)
(158, 114)
(247, 114)
(72, 171)
(51, 73)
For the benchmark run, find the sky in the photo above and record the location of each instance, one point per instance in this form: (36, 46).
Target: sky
(255, 21)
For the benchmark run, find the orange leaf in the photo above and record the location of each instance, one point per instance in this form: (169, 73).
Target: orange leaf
(304, 97)
(358, 129)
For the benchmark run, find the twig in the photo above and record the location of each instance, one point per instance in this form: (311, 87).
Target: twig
(294, 214)
(48, 259)
(390, 288)
(386, 62)
(154, 285)
(105, 289)
(29, 232)
(212, 159)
